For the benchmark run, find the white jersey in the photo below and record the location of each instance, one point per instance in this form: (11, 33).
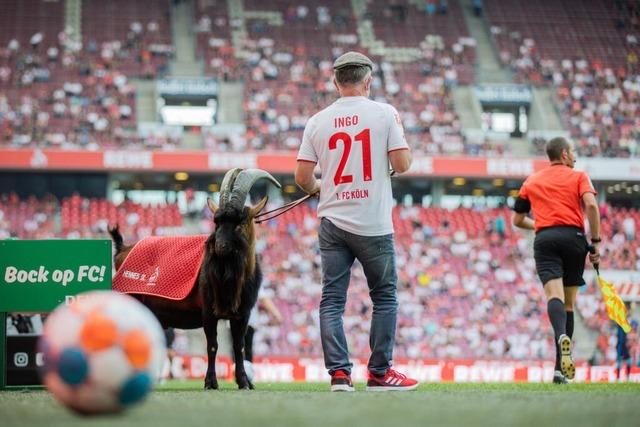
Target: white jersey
(350, 140)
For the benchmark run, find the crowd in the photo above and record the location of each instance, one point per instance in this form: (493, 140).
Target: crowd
(621, 251)
(598, 104)
(595, 79)
(467, 282)
(62, 93)
(467, 286)
(78, 217)
(287, 74)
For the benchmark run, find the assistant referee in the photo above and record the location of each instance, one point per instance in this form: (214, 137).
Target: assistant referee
(556, 195)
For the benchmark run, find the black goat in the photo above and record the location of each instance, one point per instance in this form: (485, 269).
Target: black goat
(229, 278)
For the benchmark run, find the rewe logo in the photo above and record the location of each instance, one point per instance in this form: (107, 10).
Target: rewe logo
(39, 159)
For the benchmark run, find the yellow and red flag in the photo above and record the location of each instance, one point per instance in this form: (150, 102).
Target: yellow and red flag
(616, 309)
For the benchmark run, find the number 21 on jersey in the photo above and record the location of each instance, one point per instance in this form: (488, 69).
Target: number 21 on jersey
(365, 138)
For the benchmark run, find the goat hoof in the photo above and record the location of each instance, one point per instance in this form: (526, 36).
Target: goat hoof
(211, 386)
(248, 385)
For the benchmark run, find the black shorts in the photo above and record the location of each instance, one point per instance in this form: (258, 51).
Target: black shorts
(560, 252)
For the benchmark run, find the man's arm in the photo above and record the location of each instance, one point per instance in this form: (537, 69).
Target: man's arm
(272, 309)
(521, 208)
(305, 179)
(521, 220)
(400, 160)
(593, 216)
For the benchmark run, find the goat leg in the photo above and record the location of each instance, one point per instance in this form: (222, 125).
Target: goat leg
(238, 331)
(210, 326)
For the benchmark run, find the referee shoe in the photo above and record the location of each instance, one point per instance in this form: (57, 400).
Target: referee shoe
(566, 362)
(558, 378)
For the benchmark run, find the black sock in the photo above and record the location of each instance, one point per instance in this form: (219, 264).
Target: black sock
(569, 329)
(558, 318)
(570, 324)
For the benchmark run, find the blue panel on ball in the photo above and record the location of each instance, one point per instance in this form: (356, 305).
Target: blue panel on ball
(73, 367)
(135, 388)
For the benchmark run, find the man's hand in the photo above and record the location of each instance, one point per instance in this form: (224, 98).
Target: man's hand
(305, 178)
(594, 254)
(521, 220)
(316, 189)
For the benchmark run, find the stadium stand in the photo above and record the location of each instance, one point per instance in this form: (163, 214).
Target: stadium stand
(143, 52)
(593, 30)
(58, 94)
(622, 252)
(467, 282)
(588, 52)
(288, 60)
(55, 92)
(77, 217)
(466, 290)
(468, 287)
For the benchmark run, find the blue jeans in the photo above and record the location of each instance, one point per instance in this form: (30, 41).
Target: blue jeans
(338, 250)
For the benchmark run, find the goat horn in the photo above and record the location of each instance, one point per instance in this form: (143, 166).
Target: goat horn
(244, 182)
(227, 184)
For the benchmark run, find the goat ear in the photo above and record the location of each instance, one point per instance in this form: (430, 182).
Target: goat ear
(212, 206)
(258, 207)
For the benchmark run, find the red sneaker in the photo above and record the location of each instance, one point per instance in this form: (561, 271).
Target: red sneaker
(391, 381)
(341, 381)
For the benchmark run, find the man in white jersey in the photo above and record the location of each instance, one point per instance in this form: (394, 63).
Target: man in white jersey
(353, 141)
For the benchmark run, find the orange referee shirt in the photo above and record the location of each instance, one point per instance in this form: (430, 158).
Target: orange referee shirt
(555, 195)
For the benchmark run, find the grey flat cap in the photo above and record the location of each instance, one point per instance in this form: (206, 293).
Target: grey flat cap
(350, 59)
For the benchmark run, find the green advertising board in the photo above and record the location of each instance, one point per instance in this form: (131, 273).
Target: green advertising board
(39, 275)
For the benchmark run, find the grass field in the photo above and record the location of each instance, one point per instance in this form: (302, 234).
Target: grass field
(184, 404)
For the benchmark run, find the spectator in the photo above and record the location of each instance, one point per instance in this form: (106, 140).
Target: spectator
(629, 227)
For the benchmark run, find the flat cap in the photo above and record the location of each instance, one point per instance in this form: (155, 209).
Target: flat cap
(350, 59)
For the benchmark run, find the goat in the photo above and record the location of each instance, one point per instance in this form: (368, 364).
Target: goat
(229, 278)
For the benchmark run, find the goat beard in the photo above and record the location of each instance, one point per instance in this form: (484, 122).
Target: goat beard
(229, 272)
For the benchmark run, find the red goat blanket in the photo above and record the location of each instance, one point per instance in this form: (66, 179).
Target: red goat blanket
(166, 267)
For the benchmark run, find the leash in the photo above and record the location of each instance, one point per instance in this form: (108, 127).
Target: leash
(266, 216)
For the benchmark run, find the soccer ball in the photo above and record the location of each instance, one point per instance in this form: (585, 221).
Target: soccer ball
(102, 353)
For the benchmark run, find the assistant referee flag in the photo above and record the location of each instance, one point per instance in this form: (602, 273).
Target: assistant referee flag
(616, 309)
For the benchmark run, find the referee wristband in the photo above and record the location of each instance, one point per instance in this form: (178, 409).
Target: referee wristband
(598, 240)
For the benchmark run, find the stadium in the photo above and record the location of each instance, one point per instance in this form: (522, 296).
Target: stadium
(132, 112)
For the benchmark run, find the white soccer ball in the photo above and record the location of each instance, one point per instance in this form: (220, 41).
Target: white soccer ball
(102, 353)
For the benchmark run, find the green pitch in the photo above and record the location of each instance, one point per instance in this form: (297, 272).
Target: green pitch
(182, 404)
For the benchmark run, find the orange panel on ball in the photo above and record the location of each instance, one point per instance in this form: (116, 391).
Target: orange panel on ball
(137, 347)
(98, 332)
